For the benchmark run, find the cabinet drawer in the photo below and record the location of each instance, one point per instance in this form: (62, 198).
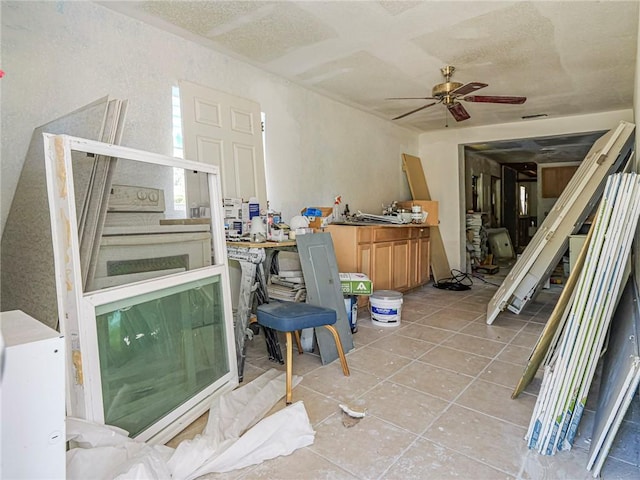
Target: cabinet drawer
(423, 232)
(364, 234)
(390, 234)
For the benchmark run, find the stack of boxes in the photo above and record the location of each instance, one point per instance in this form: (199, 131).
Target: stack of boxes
(238, 215)
(353, 284)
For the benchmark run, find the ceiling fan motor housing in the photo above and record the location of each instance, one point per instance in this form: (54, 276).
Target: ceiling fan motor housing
(446, 88)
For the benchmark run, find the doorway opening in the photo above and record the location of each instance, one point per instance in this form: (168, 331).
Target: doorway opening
(504, 182)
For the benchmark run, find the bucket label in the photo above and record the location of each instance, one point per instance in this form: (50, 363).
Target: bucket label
(384, 311)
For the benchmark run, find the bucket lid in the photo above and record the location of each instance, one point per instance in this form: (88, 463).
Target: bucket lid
(387, 295)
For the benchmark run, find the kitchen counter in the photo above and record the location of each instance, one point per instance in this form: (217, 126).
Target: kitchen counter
(366, 223)
(394, 256)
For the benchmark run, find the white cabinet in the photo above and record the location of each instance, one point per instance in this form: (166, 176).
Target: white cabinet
(32, 401)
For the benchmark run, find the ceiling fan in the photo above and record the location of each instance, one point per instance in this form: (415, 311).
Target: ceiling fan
(450, 93)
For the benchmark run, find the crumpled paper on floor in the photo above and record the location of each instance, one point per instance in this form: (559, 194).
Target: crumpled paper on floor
(106, 452)
(234, 438)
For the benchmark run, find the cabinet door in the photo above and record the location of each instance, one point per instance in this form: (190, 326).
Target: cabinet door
(401, 265)
(344, 244)
(424, 261)
(363, 252)
(382, 265)
(414, 263)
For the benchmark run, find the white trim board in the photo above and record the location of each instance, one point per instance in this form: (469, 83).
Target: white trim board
(575, 203)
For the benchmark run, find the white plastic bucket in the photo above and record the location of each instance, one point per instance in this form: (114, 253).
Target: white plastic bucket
(386, 308)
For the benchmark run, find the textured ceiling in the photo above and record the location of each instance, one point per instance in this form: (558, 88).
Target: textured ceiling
(566, 57)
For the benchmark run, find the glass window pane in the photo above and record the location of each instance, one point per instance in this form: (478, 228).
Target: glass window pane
(144, 235)
(159, 350)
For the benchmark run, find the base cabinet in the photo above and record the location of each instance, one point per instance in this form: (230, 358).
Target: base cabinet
(32, 399)
(394, 257)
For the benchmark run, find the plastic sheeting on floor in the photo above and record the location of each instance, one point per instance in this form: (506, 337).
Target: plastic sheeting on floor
(235, 437)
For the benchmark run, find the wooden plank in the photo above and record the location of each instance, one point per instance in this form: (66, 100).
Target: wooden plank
(556, 321)
(439, 263)
(412, 167)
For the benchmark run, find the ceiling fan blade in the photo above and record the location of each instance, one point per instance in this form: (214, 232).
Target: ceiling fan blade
(411, 98)
(416, 110)
(495, 99)
(458, 112)
(468, 88)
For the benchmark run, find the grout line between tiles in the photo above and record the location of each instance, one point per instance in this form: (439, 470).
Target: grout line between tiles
(533, 319)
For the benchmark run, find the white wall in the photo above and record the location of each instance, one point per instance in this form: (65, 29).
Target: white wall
(59, 56)
(442, 160)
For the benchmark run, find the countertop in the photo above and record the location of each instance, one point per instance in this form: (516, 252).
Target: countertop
(380, 224)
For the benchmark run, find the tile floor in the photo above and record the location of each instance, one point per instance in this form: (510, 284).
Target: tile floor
(437, 393)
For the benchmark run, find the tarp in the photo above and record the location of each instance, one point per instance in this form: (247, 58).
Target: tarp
(235, 437)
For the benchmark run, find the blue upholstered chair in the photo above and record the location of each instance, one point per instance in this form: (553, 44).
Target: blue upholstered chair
(291, 317)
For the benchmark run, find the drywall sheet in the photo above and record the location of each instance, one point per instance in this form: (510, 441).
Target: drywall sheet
(555, 323)
(568, 377)
(412, 166)
(320, 270)
(620, 378)
(608, 154)
(28, 277)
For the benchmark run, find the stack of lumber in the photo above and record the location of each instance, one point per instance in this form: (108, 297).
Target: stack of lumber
(572, 365)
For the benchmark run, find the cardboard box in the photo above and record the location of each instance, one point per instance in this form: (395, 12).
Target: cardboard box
(429, 206)
(355, 284)
(319, 217)
(232, 207)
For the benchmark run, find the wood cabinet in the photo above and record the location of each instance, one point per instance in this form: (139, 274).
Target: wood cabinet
(395, 257)
(424, 258)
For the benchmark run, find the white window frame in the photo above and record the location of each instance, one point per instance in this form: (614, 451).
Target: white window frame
(76, 310)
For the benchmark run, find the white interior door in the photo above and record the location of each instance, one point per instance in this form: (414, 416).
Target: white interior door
(610, 153)
(223, 130)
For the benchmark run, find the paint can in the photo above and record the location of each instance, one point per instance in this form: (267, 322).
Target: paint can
(386, 308)
(351, 305)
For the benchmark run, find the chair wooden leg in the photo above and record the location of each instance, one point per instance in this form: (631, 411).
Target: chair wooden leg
(289, 367)
(298, 343)
(343, 359)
